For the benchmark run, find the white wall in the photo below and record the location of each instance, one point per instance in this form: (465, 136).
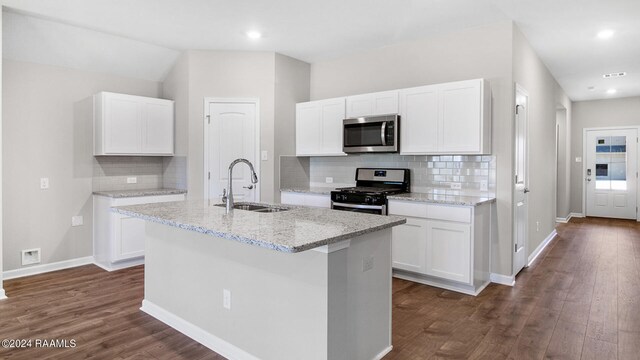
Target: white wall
(44, 137)
(481, 52)
(291, 86)
(563, 199)
(1, 165)
(544, 96)
(596, 113)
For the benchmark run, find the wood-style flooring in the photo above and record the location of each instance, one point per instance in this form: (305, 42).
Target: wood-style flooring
(579, 300)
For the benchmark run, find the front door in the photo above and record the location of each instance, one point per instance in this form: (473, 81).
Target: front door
(231, 130)
(611, 173)
(521, 212)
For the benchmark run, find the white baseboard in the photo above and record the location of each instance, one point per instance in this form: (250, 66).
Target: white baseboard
(508, 280)
(383, 353)
(576, 215)
(439, 283)
(2, 294)
(44, 268)
(563, 220)
(543, 244)
(119, 265)
(196, 333)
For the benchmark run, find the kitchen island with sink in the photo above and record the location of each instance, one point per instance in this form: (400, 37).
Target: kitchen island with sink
(292, 283)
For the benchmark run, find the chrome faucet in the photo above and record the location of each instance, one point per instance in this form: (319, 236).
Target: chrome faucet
(254, 179)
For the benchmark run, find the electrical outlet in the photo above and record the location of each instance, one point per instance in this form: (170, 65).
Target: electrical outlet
(328, 180)
(484, 186)
(537, 226)
(579, 159)
(31, 256)
(226, 299)
(44, 183)
(264, 155)
(367, 263)
(77, 220)
(132, 180)
(456, 186)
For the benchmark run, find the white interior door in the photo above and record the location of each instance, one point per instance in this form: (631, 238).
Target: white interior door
(231, 132)
(521, 216)
(611, 173)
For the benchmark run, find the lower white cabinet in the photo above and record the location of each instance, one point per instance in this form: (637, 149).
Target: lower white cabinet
(442, 245)
(118, 240)
(305, 199)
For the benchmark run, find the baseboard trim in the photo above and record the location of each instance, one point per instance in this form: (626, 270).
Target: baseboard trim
(576, 215)
(563, 220)
(196, 333)
(439, 283)
(383, 353)
(2, 294)
(508, 280)
(534, 255)
(119, 265)
(45, 268)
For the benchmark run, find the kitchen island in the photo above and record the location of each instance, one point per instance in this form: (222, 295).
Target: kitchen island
(306, 283)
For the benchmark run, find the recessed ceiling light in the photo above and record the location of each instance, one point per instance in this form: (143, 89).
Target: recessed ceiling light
(605, 34)
(254, 35)
(612, 91)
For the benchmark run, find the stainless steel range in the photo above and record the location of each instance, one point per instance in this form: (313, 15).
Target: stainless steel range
(371, 190)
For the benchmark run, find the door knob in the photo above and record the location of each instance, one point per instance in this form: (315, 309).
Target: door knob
(588, 179)
(526, 190)
(248, 187)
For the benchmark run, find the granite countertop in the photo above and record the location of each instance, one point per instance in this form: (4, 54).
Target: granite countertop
(310, 190)
(443, 198)
(295, 230)
(138, 193)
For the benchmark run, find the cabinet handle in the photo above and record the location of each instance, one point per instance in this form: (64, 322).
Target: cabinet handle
(248, 187)
(383, 133)
(413, 225)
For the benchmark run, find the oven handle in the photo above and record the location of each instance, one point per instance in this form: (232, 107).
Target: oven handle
(358, 206)
(383, 133)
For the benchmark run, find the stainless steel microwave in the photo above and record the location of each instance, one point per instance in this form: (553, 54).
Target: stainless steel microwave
(371, 134)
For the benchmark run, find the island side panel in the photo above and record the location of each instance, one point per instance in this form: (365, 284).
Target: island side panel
(279, 301)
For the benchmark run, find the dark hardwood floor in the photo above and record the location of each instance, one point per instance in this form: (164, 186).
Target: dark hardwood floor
(580, 300)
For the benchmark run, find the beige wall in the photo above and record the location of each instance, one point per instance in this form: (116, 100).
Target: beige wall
(1, 165)
(291, 87)
(481, 52)
(43, 137)
(597, 113)
(544, 97)
(563, 199)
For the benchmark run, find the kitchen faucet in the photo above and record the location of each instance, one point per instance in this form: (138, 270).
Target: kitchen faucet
(229, 195)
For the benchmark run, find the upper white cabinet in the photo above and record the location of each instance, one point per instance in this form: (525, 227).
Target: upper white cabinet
(450, 118)
(380, 103)
(132, 125)
(319, 127)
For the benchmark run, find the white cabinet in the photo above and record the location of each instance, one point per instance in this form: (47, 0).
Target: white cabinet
(132, 125)
(319, 127)
(380, 103)
(409, 245)
(118, 240)
(442, 245)
(305, 199)
(450, 118)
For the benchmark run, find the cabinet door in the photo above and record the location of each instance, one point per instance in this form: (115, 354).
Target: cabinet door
(460, 123)
(308, 129)
(380, 103)
(332, 113)
(408, 245)
(122, 124)
(157, 127)
(129, 237)
(419, 120)
(448, 251)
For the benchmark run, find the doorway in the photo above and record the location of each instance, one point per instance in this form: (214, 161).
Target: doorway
(611, 165)
(231, 131)
(521, 177)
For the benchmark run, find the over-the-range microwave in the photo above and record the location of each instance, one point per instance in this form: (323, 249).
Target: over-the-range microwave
(371, 134)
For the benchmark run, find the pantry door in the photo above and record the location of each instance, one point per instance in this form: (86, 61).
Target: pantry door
(231, 132)
(611, 173)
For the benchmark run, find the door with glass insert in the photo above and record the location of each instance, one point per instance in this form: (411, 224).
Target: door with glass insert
(611, 173)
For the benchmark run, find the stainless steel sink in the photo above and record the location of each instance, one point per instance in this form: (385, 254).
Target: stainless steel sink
(255, 207)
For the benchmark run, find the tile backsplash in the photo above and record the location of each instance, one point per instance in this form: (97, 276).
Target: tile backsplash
(472, 173)
(111, 172)
(174, 172)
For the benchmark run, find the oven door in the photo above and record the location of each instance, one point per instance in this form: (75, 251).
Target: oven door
(369, 209)
(376, 134)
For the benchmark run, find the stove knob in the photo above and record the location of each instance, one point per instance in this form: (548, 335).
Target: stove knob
(368, 200)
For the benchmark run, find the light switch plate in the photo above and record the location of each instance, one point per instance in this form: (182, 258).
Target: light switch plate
(328, 180)
(456, 186)
(132, 180)
(579, 159)
(77, 220)
(44, 183)
(264, 155)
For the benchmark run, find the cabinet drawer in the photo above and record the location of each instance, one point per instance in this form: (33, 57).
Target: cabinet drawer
(147, 199)
(449, 213)
(408, 208)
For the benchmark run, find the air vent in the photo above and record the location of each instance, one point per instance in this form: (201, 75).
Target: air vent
(614, 75)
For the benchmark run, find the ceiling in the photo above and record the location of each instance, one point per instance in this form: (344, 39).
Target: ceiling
(143, 38)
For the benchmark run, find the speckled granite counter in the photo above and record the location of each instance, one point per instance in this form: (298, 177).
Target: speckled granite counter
(138, 193)
(295, 230)
(443, 199)
(310, 190)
